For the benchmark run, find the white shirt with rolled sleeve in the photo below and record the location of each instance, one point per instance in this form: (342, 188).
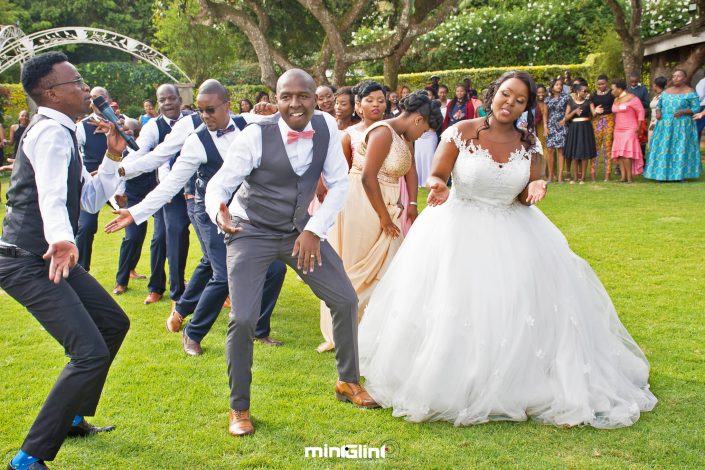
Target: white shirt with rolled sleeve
(192, 156)
(245, 155)
(49, 148)
(154, 157)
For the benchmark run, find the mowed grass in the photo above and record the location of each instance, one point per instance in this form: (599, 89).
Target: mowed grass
(646, 242)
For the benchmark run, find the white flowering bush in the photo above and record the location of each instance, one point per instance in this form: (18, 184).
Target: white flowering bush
(536, 32)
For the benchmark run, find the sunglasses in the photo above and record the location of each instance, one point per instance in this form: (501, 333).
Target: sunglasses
(211, 109)
(76, 81)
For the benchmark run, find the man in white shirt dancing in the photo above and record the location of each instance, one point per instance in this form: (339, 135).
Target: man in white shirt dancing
(277, 163)
(48, 189)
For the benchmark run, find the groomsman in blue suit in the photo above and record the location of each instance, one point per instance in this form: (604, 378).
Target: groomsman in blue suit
(170, 240)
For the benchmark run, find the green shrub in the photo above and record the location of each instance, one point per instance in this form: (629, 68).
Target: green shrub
(482, 77)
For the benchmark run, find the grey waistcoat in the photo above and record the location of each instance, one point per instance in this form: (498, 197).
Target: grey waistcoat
(273, 195)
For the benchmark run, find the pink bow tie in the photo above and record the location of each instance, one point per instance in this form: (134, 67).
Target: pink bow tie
(293, 136)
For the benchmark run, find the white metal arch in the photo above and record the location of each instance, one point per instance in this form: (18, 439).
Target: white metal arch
(16, 47)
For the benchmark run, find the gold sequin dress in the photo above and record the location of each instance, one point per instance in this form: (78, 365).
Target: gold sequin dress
(357, 235)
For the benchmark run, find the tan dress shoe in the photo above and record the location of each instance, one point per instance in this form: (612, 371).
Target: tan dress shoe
(269, 341)
(239, 423)
(135, 275)
(174, 322)
(191, 347)
(355, 394)
(152, 297)
(119, 289)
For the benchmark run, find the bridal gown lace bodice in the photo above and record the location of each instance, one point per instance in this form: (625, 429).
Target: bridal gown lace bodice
(478, 178)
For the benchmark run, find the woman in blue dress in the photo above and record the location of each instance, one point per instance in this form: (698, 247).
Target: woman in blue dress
(555, 129)
(674, 153)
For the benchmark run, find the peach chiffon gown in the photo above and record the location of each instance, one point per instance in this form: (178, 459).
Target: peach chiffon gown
(357, 236)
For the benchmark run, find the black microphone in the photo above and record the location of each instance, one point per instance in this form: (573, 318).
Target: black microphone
(108, 113)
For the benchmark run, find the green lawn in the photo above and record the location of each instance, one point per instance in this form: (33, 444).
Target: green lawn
(646, 242)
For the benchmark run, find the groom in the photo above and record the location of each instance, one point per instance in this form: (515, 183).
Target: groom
(279, 161)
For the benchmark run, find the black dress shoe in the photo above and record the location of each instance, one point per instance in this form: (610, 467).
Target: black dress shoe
(85, 428)
(38, 465)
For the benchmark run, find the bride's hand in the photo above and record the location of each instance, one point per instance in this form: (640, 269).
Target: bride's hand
(537, 191)
(438, 193)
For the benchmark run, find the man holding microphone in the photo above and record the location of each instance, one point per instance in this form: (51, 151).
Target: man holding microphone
(48, 189)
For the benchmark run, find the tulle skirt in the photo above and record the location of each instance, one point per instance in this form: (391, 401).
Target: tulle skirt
(486, 314)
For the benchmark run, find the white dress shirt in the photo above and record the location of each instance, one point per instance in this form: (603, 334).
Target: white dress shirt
(193, 155)
(153, 155)
(245, 155)
(49, 148)
(81, 132)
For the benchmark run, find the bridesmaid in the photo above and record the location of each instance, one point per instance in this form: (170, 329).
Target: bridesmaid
(674, 153)
(629, 114)
(367, 231)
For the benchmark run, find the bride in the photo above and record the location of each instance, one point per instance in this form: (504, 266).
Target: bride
(485, 313)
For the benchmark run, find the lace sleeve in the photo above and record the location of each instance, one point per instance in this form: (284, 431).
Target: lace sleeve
(452, 135)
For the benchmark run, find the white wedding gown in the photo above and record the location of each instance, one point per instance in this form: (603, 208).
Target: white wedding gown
(486, 314)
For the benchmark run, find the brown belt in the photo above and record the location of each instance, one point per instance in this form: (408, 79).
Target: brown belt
(580, 119)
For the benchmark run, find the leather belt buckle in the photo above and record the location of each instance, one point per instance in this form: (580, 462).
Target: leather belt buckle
(8, 251)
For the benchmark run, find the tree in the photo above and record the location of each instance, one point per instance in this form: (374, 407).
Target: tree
(338, 21)
(202, 51)
(629, 32)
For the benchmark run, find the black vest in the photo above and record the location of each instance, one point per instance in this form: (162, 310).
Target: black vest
(215, 160)
(95, 147)
(23, 225)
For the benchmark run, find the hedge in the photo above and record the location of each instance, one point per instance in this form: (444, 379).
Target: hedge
(482, 77)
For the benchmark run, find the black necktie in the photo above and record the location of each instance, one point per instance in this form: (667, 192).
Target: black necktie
(172, 122)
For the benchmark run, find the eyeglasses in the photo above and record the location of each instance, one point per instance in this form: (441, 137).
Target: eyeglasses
(211, 109)
(76, 81)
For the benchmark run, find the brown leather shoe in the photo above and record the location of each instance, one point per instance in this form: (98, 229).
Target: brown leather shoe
(227, 304)
(152, 297)
(191, 347)
(135, 275)
(119, 289)
(239, 423)
(269, 341)
(355, 394)
(174, 322)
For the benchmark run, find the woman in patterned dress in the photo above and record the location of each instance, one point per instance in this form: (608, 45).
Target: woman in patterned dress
(674, 154)
(603, 126)
(554, 128)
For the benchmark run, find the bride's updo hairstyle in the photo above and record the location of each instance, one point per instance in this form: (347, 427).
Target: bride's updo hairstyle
(528, 137)
(419, 102)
